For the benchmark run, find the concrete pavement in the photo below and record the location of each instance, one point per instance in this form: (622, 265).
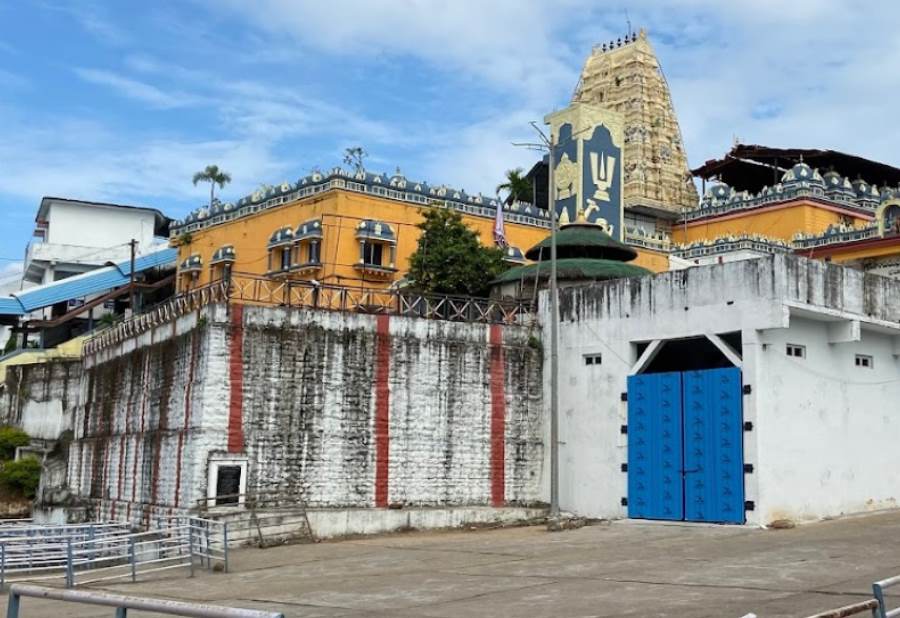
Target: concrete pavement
(619, 569)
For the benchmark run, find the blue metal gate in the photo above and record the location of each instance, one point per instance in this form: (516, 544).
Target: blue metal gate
(655, 483)
(685, 446)
(713, 446)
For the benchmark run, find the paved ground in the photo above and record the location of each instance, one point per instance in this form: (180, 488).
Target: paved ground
(623, 569)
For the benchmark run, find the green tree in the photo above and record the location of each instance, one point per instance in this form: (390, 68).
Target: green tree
(517, 186)
(10, 438)
(21, 477)
(450, 259)
(214, 176)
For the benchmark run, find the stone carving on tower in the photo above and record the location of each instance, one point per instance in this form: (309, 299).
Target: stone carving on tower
(625, 76)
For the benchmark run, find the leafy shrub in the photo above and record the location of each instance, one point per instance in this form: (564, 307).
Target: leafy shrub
(22, 476)
(10, 438)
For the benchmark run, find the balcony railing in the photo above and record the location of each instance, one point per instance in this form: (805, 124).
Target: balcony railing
(251, 289)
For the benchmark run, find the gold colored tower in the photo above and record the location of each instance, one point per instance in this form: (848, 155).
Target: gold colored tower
(626, 76)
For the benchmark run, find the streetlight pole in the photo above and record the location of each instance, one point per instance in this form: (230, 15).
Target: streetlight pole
(549, 145)
(554, 343)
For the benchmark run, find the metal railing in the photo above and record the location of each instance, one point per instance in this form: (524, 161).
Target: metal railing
(123, 603)
(251, 289)
(878, 590)
(876, 606)
(95, 553)
(863, 607)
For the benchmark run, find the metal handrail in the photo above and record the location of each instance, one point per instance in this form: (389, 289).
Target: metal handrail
(250, 288)
(871, 605)
(180, 543)
(123, 603)
(878, 590)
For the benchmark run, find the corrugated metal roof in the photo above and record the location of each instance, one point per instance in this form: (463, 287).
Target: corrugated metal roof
(93, 282)
(11, 306)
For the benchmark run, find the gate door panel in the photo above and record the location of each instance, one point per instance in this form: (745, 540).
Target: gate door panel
(713, 446)
(655, 486)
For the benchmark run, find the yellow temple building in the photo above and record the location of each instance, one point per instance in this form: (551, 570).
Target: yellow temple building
(356, 228)
(342, 228)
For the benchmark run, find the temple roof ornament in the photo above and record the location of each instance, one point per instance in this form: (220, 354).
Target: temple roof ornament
(395, 187)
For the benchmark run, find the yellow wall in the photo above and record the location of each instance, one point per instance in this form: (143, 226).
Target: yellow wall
(863, 250)
(340, 213)
(652, 260)
(781, 222)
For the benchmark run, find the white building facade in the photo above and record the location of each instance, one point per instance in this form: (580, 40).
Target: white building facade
(74, 236)
(744, 392)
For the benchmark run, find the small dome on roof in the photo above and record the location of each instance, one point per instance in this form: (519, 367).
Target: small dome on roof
(376, 230)
(801, 172)
(719, 191)
(224, 253)
(862, 188)
(282, 235)
(583, 240)
(513, 255)
(309, 229)
(192, 262)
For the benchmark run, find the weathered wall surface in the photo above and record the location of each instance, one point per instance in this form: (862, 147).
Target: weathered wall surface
(136, 430)
(41, 398)
(823, 429)
(337, 410)
(828, 430)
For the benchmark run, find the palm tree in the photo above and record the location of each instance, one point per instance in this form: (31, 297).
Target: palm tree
(214, 176)
(518, 186)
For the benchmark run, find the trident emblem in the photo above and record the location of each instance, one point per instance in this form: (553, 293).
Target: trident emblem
(602, 171)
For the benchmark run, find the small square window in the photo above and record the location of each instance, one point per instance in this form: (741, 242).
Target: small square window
(593, 359)
(795, 350)
(863, 360)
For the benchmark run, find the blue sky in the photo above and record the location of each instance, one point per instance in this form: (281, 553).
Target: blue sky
(123, 101)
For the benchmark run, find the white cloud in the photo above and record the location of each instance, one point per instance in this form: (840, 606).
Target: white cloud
(138, 90)
(87, 160)
(505, 42)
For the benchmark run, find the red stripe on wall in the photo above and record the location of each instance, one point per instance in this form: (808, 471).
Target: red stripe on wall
(498, 418)
(382, 408)
(236, 374)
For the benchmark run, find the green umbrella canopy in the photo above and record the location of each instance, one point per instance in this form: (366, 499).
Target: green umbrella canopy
(575, 268)
(583, 240)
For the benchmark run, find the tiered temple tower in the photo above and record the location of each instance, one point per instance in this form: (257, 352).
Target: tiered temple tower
(625, 76)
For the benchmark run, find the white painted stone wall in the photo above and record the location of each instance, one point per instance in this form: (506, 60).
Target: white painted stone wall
(821, 443)
(41, 398)
(308, 410)
(828, 430)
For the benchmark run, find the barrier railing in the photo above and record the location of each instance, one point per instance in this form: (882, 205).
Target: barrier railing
(876, 607)
(864, 607)
(123, 603)
(878, 589)
(111, 553)
(247, 288)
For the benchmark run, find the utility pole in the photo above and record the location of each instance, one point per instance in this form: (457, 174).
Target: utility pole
(550, 146)
(554, 342)
(133, 245)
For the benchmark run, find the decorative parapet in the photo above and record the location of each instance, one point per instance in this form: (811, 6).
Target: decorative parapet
(835, 234)
(728, 244)
(801, 181)
(394, 187)
(657, 241)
